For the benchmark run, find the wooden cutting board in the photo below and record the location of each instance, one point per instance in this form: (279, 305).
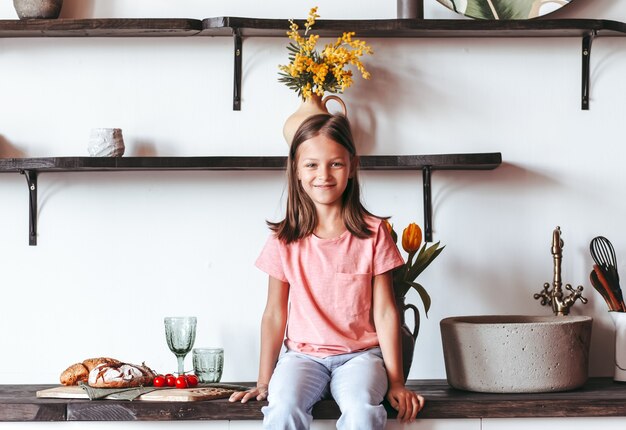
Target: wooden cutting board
(159, 395)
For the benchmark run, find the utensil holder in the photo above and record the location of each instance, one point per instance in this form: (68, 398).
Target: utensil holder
(619, 319)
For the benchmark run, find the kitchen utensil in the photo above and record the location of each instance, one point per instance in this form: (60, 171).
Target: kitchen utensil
(600, 283)
(603, 254)
(593, 277)
(235, 387)
(180, 333)
(159, 395)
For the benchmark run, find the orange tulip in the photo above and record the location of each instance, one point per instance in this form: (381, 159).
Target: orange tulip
(412, 238)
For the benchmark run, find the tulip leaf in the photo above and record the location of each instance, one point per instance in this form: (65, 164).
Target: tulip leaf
(423, 295)
(422, 250)
(424, 258)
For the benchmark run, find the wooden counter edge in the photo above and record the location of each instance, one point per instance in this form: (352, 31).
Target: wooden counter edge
(599, 397)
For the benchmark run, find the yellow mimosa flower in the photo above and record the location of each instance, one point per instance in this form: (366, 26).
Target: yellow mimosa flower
(311, 72)
(311, 19)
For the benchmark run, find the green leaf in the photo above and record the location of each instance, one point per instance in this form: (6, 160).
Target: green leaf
(427, 255)
(423, 295)
(424, 258)
(504, 9)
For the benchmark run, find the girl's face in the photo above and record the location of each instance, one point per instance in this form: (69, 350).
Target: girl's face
(323, 168)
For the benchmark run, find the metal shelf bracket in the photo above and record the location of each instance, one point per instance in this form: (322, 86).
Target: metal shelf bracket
(237, 70)
(428, 205)
(31, 179)
(586, 60)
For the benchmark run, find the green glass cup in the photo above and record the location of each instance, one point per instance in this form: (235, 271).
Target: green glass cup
(208, 364)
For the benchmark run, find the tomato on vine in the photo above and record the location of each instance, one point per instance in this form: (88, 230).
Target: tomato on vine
(181, 382)
(159, 381)
(192, 380)
(170, 380)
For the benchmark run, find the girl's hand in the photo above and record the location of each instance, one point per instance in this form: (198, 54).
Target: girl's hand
(406, 402)
(259, 393)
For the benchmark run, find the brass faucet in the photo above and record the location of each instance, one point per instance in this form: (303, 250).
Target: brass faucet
(560, 304)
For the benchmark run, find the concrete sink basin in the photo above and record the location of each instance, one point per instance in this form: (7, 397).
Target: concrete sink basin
(516, 354)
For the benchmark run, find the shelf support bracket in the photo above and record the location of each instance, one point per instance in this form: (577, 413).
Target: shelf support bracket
(238, 69)
(428, 207)
(31, 180)
(586, 61)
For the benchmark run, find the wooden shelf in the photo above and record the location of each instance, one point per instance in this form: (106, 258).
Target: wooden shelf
(238, 28)
(32, 167)
(480, 161)
(257, 27)
(599, 397)
(113, 27)
(411, 28)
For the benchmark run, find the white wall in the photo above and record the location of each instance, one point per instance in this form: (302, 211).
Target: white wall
(119, 251)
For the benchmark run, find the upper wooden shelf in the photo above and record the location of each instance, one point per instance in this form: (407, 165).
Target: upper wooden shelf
(476, 161)
(246, 27)
(113, 27)
(419, 28)
(226, 26)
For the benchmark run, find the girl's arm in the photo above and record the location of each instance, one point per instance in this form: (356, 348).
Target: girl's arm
(386, 320)
(272, 335)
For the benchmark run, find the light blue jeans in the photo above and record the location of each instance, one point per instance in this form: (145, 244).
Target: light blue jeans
(357, 381)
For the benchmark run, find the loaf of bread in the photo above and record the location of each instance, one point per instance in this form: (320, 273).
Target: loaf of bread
(79, 372)
(120, 375)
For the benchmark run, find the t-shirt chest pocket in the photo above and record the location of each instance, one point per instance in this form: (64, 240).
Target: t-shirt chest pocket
(352, 293)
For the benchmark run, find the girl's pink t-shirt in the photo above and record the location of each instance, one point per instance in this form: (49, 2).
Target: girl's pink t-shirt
(330, 287)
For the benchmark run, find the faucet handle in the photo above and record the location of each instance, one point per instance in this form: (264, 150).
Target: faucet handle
(544, 295)
(576, 294)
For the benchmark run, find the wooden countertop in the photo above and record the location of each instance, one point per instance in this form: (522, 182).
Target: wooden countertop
(600, 397)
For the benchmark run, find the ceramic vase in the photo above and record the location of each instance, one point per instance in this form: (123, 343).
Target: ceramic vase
(410, 9)
(407, 337)
(312, 106)
(38, 9)
(619, 319)
(106, 142)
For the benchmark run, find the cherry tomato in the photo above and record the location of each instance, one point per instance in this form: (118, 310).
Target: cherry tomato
(159, 381)
(181, 381)
(170, 380)
(192, 380)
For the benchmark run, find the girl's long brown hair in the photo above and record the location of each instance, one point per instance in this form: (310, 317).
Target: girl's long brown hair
(301, 217)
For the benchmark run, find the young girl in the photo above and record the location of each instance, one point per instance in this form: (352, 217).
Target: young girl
(330, 295)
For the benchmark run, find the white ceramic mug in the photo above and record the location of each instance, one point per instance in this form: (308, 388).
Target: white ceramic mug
(106, 142)
(619, 319)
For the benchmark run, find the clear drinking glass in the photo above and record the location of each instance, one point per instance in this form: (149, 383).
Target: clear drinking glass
(180, 333)
(208, 364)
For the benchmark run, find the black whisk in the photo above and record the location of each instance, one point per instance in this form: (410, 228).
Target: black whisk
(603, 254)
